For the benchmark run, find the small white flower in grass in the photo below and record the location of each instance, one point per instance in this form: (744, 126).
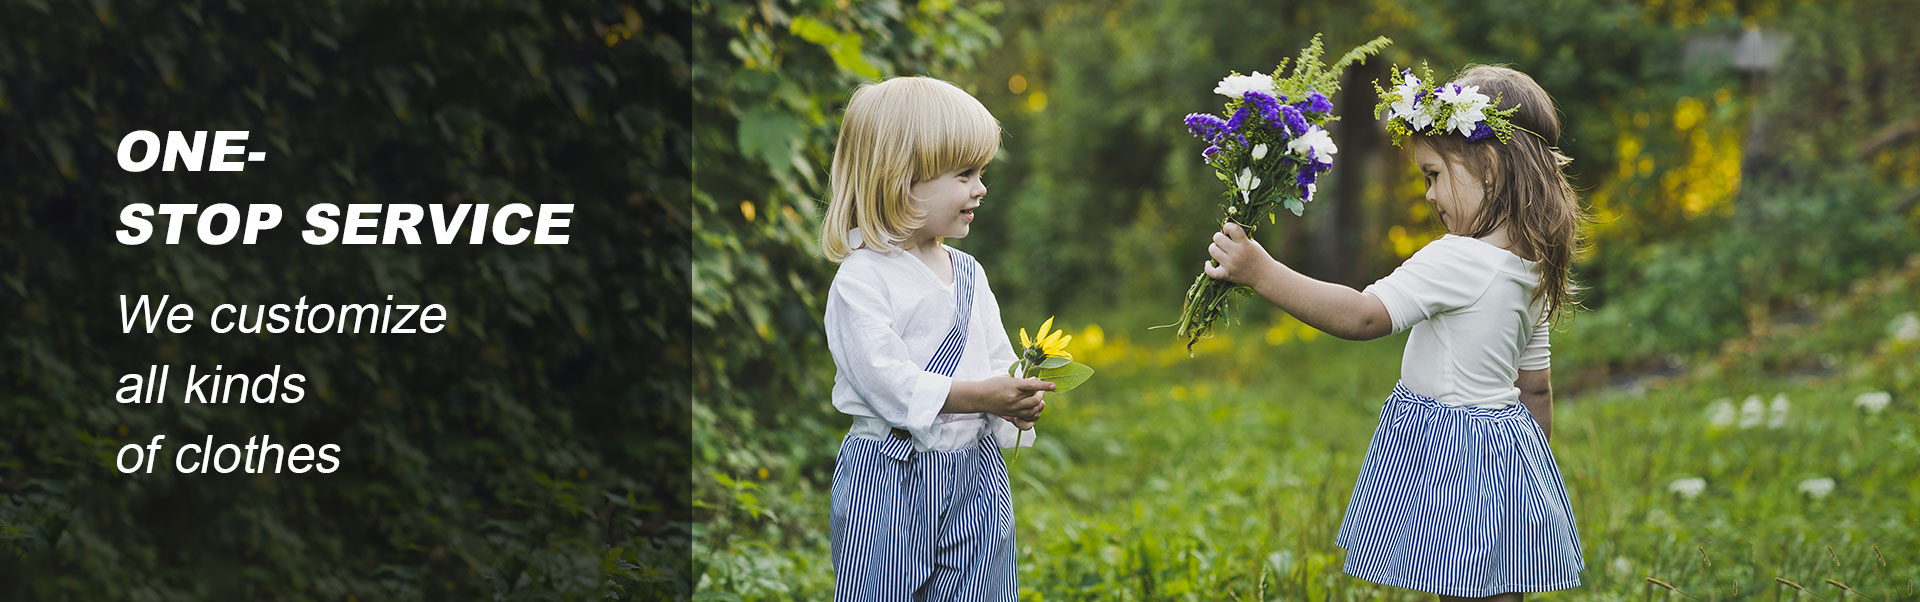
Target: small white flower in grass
(1259, 151)
(1905, 327)
(1689, 487)
(1873, 401)
(1721, 413)
(1778, 416)
(1752, 412)
(1622, 565)
(1817, 488)
(1237, 86)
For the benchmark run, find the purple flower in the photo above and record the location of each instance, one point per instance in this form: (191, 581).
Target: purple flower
(1268, 107)
(1211, 151)
(1239, 119)
(1480, 132)
(1207, 127)
(1315, 103)
(1306, 176)
(1296, 123)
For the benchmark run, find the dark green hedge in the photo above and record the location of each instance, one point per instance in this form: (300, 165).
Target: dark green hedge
(538, 449)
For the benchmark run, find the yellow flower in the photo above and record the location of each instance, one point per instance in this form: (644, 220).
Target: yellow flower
(1052, 344)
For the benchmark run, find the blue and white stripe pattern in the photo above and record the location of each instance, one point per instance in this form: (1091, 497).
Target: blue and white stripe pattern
(925, 527)
(947, 358)
(1460, 502)
(936, 528)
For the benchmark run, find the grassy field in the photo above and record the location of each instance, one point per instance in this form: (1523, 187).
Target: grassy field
(1224, 476)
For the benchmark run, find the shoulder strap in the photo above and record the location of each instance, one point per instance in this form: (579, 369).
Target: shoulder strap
(947, 358)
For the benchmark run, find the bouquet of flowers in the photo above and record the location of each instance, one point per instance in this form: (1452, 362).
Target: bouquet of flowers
(1269, 148)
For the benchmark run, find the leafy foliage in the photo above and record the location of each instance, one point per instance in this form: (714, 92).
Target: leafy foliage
(534, 450)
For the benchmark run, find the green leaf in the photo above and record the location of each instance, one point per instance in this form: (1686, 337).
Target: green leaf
(770, 136)
(1296, 207)
(843, 47)
(1054, 362)
(1066, 378)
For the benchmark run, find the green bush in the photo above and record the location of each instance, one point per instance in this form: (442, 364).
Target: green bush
(534, 450)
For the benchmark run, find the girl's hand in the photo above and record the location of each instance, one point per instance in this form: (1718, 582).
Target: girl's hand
(1021, 423)
(1239, 259)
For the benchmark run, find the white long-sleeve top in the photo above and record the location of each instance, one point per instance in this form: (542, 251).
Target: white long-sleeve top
(1475, 325)
(886, 316)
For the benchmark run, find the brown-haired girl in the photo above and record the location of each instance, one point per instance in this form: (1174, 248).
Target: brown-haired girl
(1459, 495)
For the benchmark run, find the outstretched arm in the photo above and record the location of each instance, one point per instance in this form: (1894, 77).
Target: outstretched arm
(1331, 308)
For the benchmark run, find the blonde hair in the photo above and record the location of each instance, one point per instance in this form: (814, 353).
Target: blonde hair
(1526, 188)
(896, 133)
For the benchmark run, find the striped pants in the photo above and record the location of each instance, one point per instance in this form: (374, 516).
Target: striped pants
(1460, 502)
(921, 527)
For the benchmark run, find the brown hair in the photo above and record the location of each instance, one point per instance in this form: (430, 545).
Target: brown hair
(1526, 191)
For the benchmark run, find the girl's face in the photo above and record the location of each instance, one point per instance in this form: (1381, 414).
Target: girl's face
(1454, 189)
(948, 202)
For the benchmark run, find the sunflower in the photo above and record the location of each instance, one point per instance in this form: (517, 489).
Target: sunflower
(1047, 344)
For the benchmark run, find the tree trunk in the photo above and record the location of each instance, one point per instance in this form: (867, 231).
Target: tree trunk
(1337, 216)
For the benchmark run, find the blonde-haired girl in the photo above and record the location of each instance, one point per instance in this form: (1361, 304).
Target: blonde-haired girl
(1459, 495)
(921, 508)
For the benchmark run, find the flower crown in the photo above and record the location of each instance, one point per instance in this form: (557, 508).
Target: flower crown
(1414, 107)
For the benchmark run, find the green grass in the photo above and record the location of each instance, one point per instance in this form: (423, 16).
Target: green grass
(1225, 476)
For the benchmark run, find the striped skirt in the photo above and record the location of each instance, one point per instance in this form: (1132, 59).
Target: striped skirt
(1460, 502)
(921, 527)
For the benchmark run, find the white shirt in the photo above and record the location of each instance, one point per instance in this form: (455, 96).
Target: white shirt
(1474, 324)
(886, 315)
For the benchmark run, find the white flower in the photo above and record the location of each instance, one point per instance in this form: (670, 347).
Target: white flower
(1462, 96)
(1409, 92)
(1874, 401)
(1418, 116)
(1247, 181)
(1689, 487)
(1237, 86)
(1233, 209)
(1622, 565)
(1905, 327)
(1421, 120)
(1469, 107)
(1817, 488)
(1720, 413)
(1259, 151)
(1316, 143)
(1752, 412)
(1464, 120)
(1311, 188)
(1778, 417)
